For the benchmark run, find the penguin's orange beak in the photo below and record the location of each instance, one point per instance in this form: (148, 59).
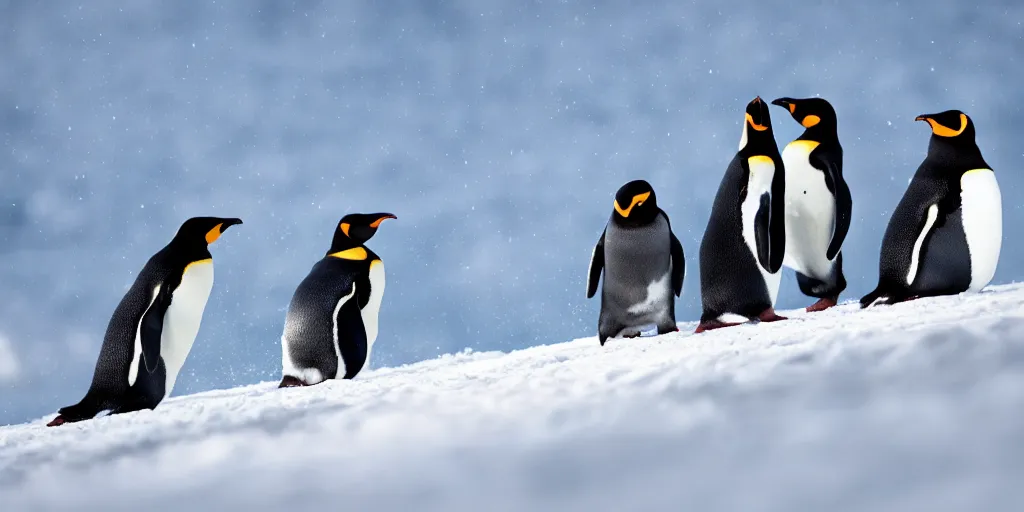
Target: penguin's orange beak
(786, 103)
(377, 222)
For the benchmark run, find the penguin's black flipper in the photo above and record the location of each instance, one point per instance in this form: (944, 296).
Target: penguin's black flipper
(351, 337)
(844, 205)
(596, 266)
(777, 223)
(151, 327)
(362, 297)
(678, 265)
(763, 232)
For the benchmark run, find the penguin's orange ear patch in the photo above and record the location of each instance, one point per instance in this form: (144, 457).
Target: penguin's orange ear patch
(944, 131)
(344, 228)
(637, 199)
(758, 127)
(810, 121)
(213, 234)
(792, 108)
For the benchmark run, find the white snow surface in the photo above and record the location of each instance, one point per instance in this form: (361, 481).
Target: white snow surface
(917, 406)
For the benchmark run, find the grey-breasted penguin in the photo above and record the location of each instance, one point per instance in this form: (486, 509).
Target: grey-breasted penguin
(643, 266)
(331, 323)
(945, 235)
(745, 240)
(818, 202)
(154, 326)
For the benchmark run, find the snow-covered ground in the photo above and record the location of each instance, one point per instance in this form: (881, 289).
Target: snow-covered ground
(918, 406)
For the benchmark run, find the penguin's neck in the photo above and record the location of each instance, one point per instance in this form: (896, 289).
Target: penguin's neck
(189, 250)
(342, 242)
(946, 152)
(821, 134)
(635, 222)
(760, 143)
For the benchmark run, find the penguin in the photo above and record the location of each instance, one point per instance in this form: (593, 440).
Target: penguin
(945, 235)
(643, 266)
(744, 242)
(331, 323)
(154, 326)
(818, 202)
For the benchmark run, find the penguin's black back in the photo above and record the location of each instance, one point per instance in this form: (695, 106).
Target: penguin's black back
(943, 263)
(730, 280)
(309, 325)
(109, 388)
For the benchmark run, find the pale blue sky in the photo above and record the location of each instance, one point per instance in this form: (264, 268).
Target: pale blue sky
(497, 132)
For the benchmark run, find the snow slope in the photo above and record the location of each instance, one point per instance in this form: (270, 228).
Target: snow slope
(918, 406)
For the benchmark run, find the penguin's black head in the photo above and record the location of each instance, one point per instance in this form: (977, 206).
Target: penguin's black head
(951, 126)
(635, 203)
(204, 230)
(356, 228)
(757, 138)
(809, 112)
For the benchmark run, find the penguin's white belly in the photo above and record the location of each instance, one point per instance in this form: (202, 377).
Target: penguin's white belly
(658, 293)
(810, 213)
(982, 210)
(183, 316)
(372, 310)
(762, 170)
(652, 310)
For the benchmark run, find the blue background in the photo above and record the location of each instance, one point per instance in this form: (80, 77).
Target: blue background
(497, 132)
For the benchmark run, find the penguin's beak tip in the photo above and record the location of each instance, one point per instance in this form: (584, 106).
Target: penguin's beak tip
(921, 118)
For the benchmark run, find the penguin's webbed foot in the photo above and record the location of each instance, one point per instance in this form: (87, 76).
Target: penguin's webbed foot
(58, 421)
(822, 304)
(290, 382)
(769, 316)
(665, 329)
(84, 410)
(714, 324)
(886, 300)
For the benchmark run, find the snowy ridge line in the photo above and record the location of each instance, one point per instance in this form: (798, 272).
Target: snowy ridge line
(907, 320)
(620, 423)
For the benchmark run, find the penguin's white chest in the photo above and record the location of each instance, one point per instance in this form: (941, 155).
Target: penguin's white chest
(759, 182)
(183, 316)
(982, 209)
(656, 300)
(371, 312)
(810, 212)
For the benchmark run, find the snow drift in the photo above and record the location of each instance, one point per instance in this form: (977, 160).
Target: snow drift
(917, 406)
